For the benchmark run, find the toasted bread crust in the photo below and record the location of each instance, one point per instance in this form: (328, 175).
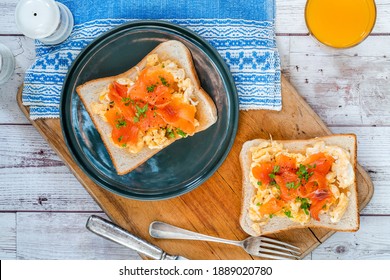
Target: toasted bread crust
(351, 219)
(123, 160)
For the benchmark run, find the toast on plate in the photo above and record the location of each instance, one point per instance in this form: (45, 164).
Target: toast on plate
(290, 184)
(143, 110)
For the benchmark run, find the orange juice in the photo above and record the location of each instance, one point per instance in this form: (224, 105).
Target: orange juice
(340, 23)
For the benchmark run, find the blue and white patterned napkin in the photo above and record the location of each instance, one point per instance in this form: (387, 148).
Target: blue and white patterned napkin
(242, 31)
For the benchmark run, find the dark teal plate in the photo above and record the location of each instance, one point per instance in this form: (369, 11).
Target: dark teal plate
(180, 167)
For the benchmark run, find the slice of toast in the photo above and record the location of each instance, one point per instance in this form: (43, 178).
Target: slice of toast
(350, 219)
(206, 112)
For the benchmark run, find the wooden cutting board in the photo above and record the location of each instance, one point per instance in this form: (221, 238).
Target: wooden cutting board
(214, 207)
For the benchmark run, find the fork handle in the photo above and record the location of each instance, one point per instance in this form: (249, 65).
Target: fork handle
(165, 231)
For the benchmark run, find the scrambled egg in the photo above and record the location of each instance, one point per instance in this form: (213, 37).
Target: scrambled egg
(153, 138)
(339, 179)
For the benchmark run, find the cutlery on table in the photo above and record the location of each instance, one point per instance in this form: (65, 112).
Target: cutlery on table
(257, 246)
(119, 235)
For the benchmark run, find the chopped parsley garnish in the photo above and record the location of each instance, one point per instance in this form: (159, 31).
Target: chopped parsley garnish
(112, 103)
(164, 81)
(120, 123)
(259, 183)
(124, 145)
(305, 205)
(120, 138)
(274, 171)
(151, 88)
(259, 204)
(288, 213)
(271, 216)
(292, 185)
(303, 173)
(273, 183)
(141, 112)
(127, 101)
(181, 132)
(170, 133)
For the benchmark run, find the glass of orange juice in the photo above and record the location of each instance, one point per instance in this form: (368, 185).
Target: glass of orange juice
(340, 23)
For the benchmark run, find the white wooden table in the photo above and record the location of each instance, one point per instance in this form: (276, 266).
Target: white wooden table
(43, 208)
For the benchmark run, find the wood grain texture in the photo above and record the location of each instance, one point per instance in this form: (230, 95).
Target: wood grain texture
(7, 236)
(24, 52)
(214, 207)
(7, 19)
(345, 87)
(371, 242)
(50, 241)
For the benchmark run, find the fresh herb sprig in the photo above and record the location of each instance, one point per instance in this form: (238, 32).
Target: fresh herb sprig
(305, 204)
(292, 185)
(141, 112)
(303, 172)
(274, 172)
(288, 214)
(181, 132)
(120, 123)
(127, 101)
(170, 133)
(164, 81)
(150, 88)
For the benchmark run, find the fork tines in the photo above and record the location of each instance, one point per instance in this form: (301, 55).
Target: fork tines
(275, 249)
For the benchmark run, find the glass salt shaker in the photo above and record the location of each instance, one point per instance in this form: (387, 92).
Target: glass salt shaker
(7, 64)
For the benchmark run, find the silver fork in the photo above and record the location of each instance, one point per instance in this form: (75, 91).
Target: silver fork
(257, 246)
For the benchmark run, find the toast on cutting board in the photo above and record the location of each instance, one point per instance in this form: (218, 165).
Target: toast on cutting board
(290, 184)
(140, 112)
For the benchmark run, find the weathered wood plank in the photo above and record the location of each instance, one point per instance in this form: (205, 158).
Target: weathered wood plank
(64, 236)
(283, 44)
(289, 16)
(349, 87)
(24, 52)
(7, 19)
(24, 147)
(43, 189)
(32, 176)
(372, 241)
(7, 236)
(373, 155)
